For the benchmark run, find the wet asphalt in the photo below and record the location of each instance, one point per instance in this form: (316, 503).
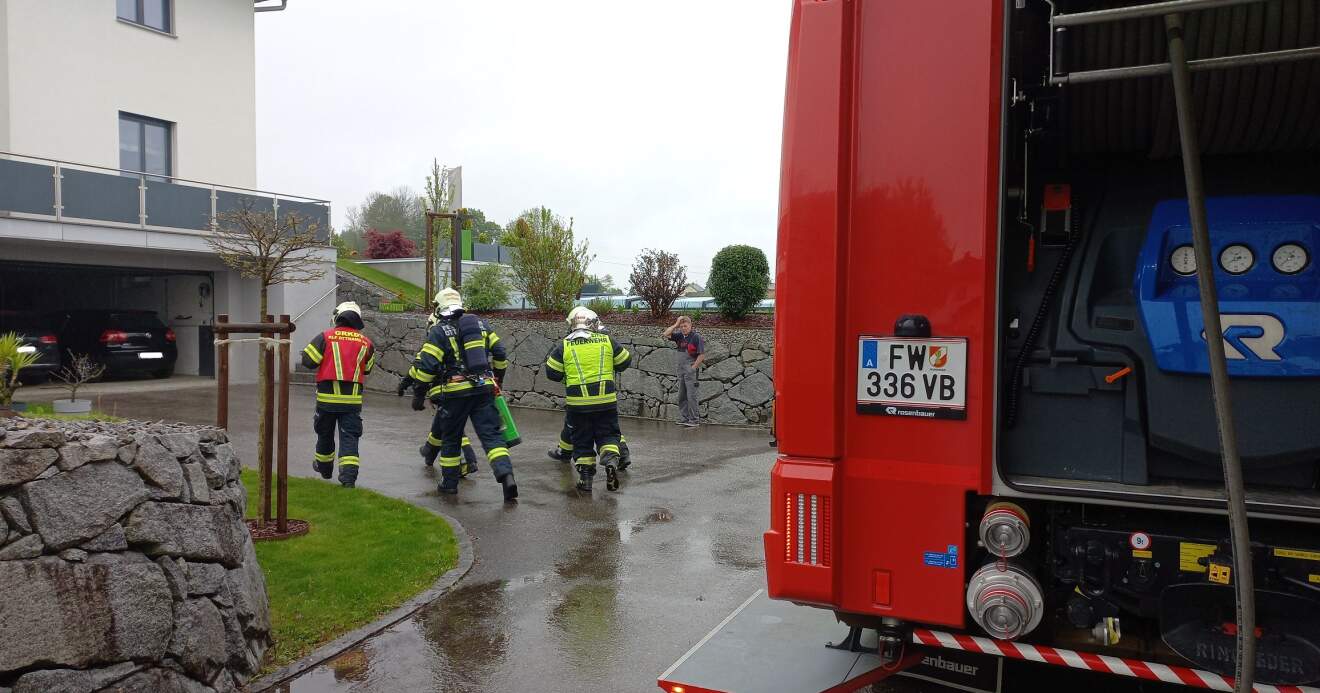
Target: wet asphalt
(568, 593)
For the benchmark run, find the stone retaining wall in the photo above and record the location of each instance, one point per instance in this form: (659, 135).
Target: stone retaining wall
(735, 387)
(124, 561)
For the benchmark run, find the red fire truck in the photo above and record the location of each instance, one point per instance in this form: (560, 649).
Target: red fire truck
(1002, 430)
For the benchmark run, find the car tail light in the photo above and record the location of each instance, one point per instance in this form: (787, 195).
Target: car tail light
(114, 337)
(169, 335)
(807, 530)
(49, 339)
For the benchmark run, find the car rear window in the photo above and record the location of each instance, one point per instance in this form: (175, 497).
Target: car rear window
(24, 322)
(135, 321)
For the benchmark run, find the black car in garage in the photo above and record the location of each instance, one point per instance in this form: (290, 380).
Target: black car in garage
(37, 335)
(126, 342)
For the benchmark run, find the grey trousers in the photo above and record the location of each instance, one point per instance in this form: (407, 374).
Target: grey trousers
(689, 402)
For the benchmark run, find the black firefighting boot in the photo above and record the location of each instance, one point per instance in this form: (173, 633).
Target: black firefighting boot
(502, 468)
(585, 474)
(625, 457)
(449, 478)
(469, 460)
(559, 454)
(428, 452)
(611, 462)
(325, 469)
(510, 488)
(348, 475)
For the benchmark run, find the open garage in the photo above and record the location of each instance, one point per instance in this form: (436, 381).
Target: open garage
(183, 300)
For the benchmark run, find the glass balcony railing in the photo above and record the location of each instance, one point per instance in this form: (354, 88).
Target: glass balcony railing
(46, 189)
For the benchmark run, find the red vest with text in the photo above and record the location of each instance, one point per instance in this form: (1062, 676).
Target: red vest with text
(344, 357)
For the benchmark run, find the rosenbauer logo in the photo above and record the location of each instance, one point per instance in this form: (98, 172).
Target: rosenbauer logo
(895, 411)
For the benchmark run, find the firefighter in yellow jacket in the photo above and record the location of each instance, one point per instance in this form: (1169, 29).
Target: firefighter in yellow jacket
(342, 357)
(586, 361)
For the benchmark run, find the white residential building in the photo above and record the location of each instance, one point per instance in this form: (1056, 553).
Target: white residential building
(124, 125)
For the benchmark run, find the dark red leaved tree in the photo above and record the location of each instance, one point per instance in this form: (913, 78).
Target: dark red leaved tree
(384, 245)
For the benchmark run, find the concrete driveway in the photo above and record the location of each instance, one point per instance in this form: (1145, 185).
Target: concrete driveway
(568, 593)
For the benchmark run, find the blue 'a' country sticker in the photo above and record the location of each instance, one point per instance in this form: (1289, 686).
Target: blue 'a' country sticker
(870, 353)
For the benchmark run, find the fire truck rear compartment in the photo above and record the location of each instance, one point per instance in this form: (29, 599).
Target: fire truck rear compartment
(1102, 391)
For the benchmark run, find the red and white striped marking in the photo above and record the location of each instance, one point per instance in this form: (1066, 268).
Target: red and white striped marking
(1134, 668)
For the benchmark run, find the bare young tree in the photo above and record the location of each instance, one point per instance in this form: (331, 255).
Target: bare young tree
(273, 251)
(78, 371)
(435, 198)
(659, 278)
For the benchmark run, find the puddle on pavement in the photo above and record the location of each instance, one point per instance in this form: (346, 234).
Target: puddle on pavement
(628, 528)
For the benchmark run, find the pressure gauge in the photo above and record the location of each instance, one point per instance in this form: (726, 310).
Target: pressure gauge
(1236, 259)
(1290, 258)
(1183, 260)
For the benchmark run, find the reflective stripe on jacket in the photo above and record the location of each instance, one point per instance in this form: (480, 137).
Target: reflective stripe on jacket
(586, 363)
(342, 357)
(459, 358)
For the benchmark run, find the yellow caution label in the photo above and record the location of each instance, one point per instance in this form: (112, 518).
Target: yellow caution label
(1298, 554)
(1190, 555)
(1220, 574)
(1141, 553)
(1314, 579)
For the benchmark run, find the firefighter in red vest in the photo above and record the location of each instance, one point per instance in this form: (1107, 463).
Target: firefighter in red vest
(342, 357)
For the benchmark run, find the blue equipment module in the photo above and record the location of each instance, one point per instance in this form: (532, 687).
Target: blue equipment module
(1271, 318)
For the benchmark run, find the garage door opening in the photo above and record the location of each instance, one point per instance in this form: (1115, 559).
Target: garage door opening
(182, 301)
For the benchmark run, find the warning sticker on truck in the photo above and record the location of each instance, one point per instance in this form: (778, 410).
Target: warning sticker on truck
(912, 377)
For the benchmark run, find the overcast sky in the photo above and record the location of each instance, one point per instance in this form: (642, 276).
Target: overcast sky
(652, 124)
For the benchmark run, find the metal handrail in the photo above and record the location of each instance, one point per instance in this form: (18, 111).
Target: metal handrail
(1155, 9)
(315, 303)
(170, 178)
(1059, 24)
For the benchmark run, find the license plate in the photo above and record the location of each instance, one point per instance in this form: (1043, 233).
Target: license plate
(151, 355)
(27, 349)
(923, 378)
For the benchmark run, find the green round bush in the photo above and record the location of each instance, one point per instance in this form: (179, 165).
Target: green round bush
(739, 277)
(485, 288)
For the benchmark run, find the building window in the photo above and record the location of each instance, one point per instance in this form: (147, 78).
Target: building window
(145, 144)
(154, 14)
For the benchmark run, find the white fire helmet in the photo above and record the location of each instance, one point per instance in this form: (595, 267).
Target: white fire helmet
(582, 317)
(346, 307)
(448, 300)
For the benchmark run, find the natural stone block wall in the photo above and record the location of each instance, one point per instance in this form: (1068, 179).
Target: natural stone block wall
(124, 561)
(736, 385)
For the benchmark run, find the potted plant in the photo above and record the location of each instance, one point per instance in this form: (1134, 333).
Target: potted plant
(79, 370)
(14, 357)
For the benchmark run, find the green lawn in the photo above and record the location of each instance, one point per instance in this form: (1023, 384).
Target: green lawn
(365, 555)
(46, 411)
(412, 294)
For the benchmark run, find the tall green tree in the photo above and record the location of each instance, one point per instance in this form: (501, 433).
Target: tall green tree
(400, 209)
(483, 230)
(549, 265)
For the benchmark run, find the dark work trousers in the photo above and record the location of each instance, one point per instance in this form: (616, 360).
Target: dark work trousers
(566, 438)
(348, 419)
(452, 416)
(592, 431)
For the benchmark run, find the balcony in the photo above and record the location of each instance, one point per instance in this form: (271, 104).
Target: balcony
(48, 190)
